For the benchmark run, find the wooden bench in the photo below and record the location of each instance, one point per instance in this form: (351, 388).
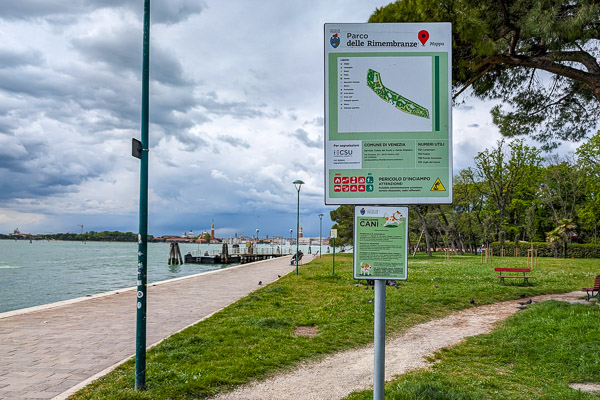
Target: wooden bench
(503, 274)
(293, 259)
(590, 290)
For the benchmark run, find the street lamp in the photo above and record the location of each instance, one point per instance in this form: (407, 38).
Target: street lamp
(320, 233)
(257, 235)
(298, 183)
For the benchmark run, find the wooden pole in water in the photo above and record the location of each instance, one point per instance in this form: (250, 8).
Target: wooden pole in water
(175, 254)
(179, 258)
(225, 254)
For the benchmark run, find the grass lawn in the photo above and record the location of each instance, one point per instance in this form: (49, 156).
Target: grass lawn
(254, 338)
(534, 355)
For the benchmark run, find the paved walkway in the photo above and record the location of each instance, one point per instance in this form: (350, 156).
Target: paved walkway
(51, 351)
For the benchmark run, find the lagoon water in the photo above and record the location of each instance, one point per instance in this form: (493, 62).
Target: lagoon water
(43, 272)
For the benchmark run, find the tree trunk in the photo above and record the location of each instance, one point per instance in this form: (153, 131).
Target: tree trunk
(427, 236)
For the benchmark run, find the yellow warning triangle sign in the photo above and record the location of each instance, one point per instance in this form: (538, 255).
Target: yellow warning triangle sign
(437, 186)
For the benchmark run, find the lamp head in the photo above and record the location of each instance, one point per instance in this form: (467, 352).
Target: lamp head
(298, 183)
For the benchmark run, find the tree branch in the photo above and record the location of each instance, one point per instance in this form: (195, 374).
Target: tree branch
(547, 63)
(472, 80)
(582, 57)
(510, 27)
(546, 106)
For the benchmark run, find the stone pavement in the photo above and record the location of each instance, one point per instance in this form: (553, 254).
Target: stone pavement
(49, 352)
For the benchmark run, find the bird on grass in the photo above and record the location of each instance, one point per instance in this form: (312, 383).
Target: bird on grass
(260, 282)
(279, 276)
(523, 303)
(472, 301)
(370, 301)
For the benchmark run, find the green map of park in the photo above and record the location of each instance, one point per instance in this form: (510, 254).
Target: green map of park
(389, 96)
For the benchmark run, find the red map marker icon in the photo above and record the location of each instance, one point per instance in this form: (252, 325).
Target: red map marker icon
(423, 37)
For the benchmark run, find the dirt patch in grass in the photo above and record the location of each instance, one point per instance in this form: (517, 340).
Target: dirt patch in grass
(306, 331)
(337, 376)
(585, 387)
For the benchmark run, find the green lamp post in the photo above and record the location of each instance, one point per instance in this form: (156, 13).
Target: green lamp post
(298, 184)
(142, 272)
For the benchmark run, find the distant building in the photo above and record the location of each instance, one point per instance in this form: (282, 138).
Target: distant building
(314, 241)
(177, 239)
(188, 235)
(17, 234)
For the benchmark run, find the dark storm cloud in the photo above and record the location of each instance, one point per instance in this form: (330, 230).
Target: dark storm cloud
(302, 136)
(192, 141)
(37, 167)
(171, 94)
(6, 126)
(11, 154)
(121, 50)
(173, 106)
(173, 11)
(13, 59)
(235, 109)
(167, 12)
(318, 121)
(234, 141)
(65, 95)
(36, 83)
(108, 91)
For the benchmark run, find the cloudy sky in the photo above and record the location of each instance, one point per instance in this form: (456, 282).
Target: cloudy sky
(236, 114)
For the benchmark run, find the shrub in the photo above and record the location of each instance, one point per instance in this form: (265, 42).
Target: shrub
(574, 250)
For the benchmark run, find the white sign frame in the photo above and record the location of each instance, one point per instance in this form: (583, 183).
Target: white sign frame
(396, 153)
(380, 243)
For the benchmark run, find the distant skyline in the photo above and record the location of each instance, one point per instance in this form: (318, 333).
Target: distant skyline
(236, 115)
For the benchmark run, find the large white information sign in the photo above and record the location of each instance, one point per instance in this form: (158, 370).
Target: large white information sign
(388, 135)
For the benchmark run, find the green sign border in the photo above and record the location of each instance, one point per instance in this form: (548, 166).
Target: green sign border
(439, 95)
(395, 246)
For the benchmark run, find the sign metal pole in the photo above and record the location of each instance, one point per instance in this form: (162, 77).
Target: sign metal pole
(379, 359)
(320, 234)
(333, 256)
(333, 235)
(380, 254)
